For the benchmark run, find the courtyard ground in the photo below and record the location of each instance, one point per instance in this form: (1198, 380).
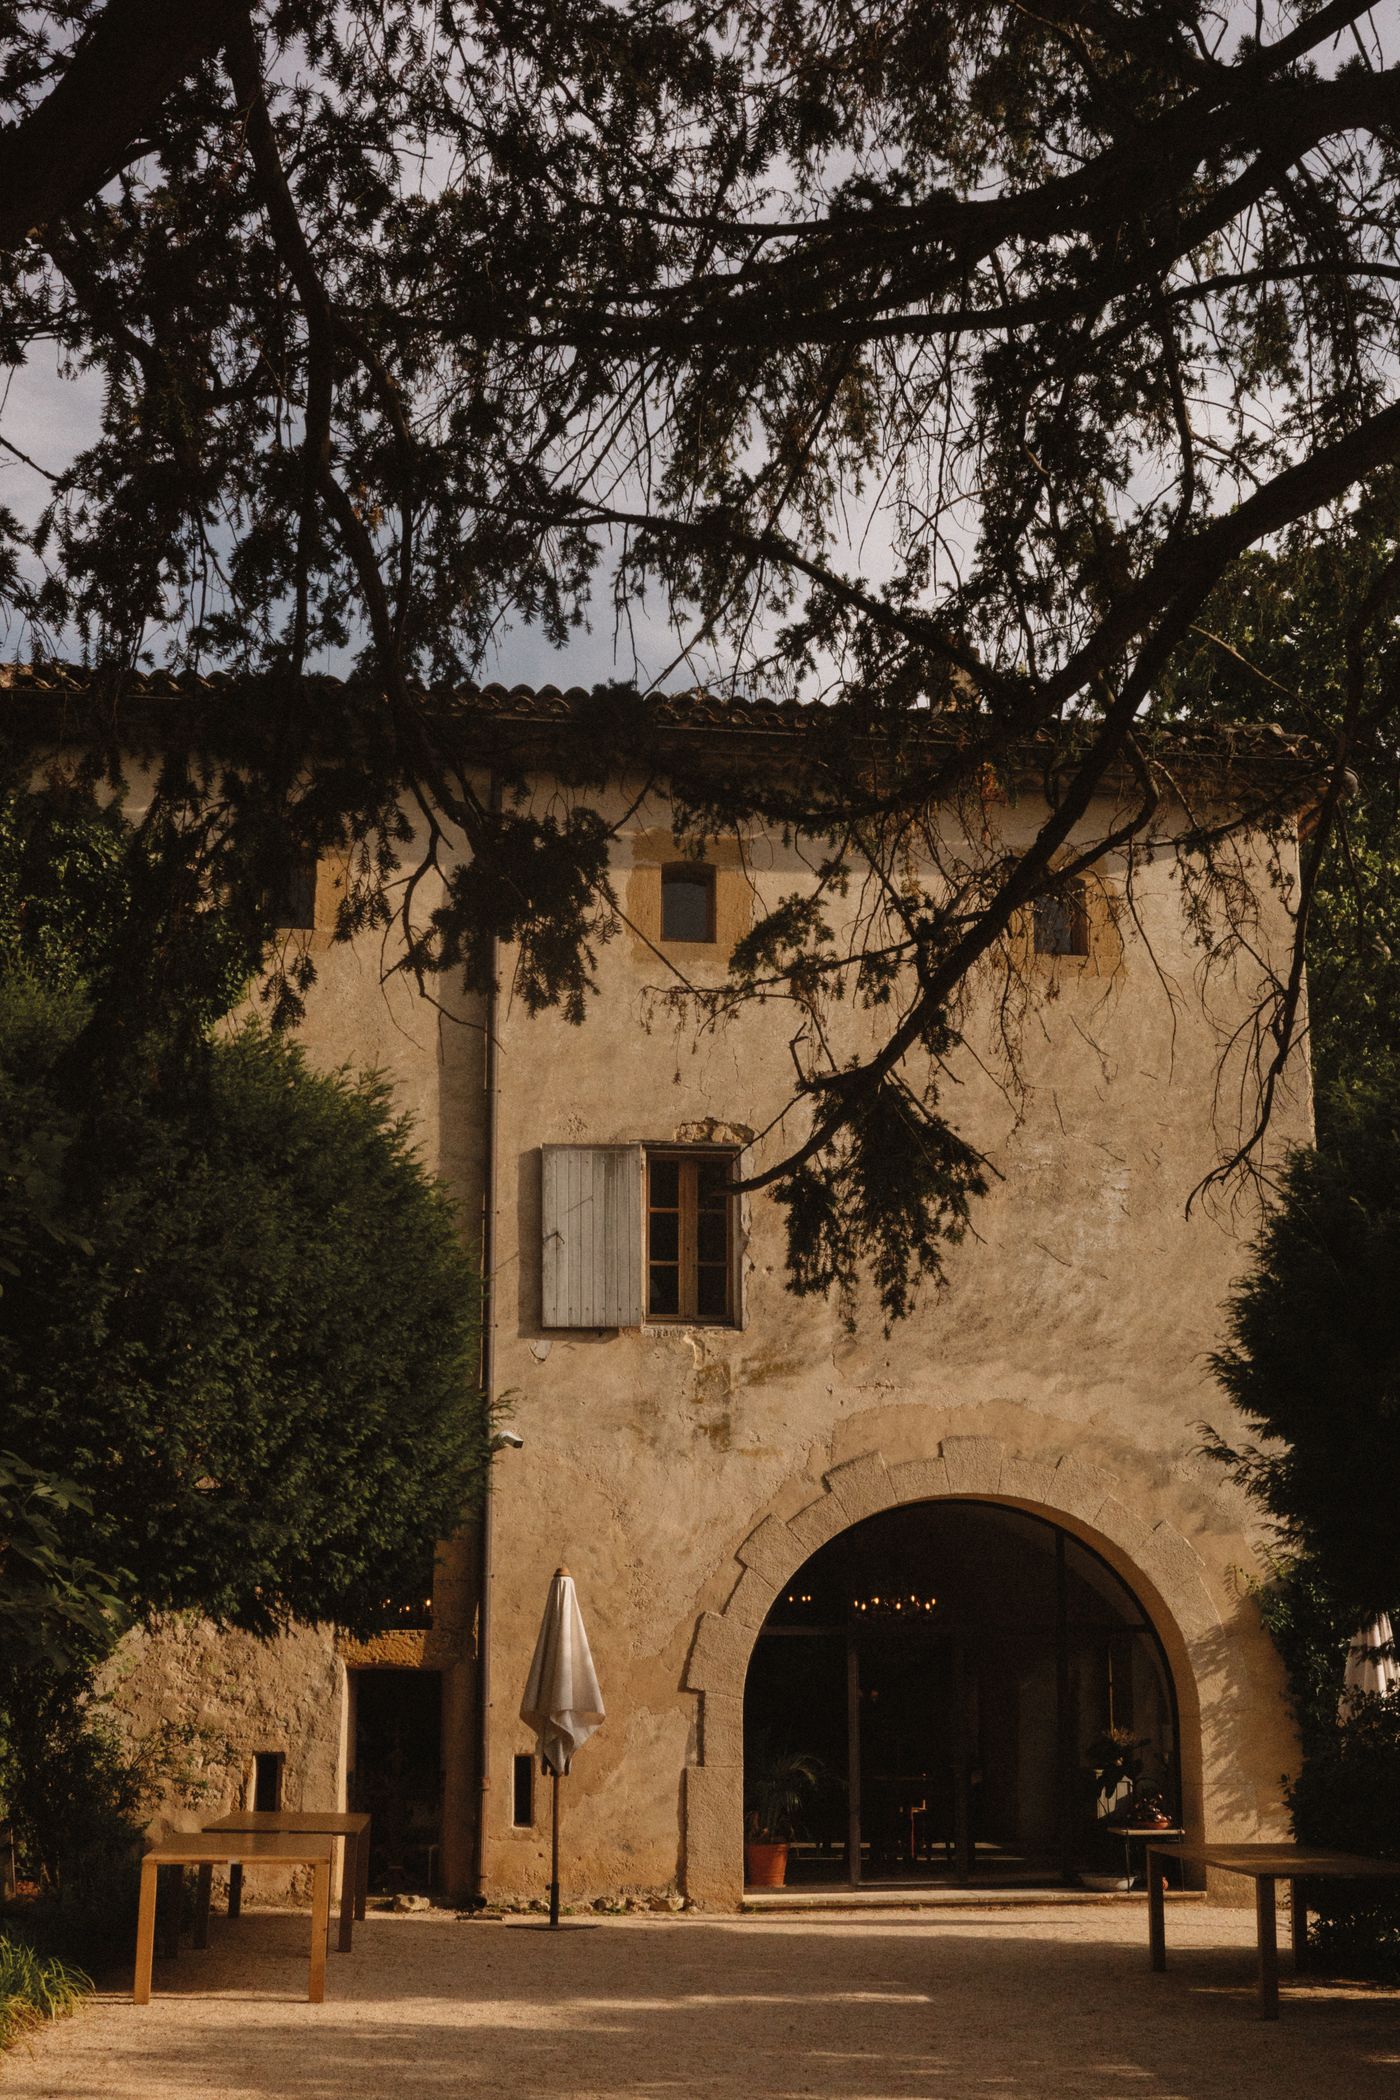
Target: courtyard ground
(994, 2004)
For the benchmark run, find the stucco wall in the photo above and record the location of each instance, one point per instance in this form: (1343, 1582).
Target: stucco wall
(206, 1703)
(1074, 1327)
(1062, 1369)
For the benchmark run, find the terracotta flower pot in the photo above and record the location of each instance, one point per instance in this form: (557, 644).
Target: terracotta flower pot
(765, 1866)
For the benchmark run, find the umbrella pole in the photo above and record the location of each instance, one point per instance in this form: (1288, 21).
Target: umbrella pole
(554, 1858)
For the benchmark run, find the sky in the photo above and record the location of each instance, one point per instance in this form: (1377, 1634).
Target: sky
(51, 417)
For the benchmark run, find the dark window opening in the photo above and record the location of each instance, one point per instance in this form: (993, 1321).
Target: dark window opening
(293, 902)
(522, 1812)
(690, 1237)
(688, 902)
(267, 1780)
(1062, 922)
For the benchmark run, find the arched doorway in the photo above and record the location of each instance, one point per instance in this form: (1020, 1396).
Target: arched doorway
(953, 1667)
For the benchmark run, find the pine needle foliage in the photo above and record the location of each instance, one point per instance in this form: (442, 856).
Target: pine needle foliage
(1313, 1355)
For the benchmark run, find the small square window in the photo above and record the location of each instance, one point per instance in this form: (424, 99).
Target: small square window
(688, 902)
(690, 1237)
(293, 903)
(1062, 922)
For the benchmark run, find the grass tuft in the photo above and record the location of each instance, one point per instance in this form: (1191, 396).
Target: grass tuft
(35, 1987)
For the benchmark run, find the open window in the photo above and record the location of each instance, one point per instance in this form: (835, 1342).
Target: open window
(690, 1221)
(633, 1234)
(687, 901)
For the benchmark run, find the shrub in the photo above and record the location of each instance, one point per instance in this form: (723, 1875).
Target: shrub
(76, 1800)
(253, 1347)
(1346, 1794)
(1347, 1797)
(1313, 1360)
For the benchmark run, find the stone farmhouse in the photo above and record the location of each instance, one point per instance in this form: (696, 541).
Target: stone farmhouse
(941, 1561)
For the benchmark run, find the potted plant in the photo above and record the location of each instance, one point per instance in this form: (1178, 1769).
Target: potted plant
(777, 1785)
(1116, 1757)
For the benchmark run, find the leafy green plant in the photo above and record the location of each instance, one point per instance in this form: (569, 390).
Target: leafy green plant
(35, 1987)
(778, 1785)
(1347, 1796)
(1114, 1756)
(54, 1606)
(259, 1367)
(1346, 1793)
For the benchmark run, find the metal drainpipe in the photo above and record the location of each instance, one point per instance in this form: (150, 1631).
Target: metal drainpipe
(488, 1368)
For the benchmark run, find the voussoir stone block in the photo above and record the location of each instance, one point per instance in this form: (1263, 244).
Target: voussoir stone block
(1180, 1574)
(973, 1463)
(1122, 1525)
(1080, 1490)
(721, 1730)
(818, 1522)
(919, 1480)
(719, 1653)
(771, 1550)
(752, 1598)
(862, 1485)
(1026, 1479)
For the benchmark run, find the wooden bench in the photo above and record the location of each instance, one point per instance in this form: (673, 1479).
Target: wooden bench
(1265, 1866)
(353, 1828)
(206, 1850)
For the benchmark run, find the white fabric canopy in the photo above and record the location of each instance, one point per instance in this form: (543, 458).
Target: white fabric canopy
(1366, 1672)
(562, 1702)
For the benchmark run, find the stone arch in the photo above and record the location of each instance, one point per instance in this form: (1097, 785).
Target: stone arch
(1163, 1570)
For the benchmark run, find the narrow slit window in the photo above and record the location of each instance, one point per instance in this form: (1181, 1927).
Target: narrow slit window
(267, 1780)
(522, 1812)
(688, 902)
(1062, 922)
(690, 1237)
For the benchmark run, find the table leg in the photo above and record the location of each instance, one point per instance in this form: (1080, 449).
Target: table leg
(170, 1937)
(362, 1873)
(235, 1891)
(1264, 1907)
(145, 1935)
(1299, 1898)
(320, 1927)
(349, 1885)
(201, 1906)
(1156, 1910)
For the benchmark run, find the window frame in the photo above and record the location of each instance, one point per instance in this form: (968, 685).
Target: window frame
(697, 874)
(687, 1263)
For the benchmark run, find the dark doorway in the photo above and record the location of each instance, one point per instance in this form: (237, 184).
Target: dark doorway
(396, 1774)
(954, 1668)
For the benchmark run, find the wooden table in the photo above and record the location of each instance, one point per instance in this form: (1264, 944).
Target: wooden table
(206, 1850)
(309, 1822)
(1265, 1866)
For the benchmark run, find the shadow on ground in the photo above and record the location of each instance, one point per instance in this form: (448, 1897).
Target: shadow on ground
(1011, 2006)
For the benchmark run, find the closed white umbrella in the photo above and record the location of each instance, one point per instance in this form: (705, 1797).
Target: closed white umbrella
(1367, 1671)
(562, 1702)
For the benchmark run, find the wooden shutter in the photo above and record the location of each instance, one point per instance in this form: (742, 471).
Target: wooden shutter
(592, 1217)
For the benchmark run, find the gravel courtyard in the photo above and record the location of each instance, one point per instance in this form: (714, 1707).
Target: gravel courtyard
(1001, 2003)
